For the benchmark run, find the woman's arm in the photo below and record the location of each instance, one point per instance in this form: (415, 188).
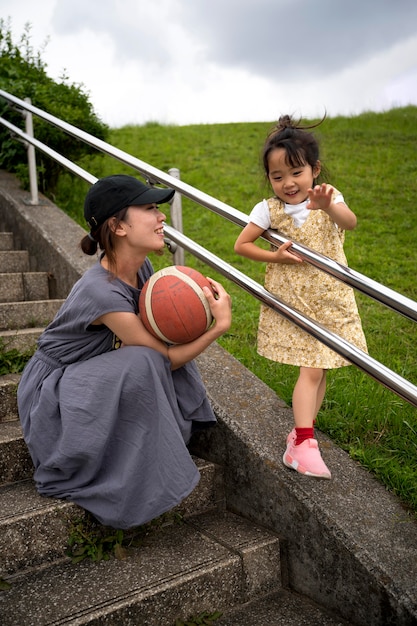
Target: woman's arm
(129, 328)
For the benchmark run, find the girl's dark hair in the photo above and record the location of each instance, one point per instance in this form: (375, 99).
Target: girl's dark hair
(104, 238)
(301, 147)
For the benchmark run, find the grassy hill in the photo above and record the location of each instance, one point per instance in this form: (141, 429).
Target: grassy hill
(371, 158)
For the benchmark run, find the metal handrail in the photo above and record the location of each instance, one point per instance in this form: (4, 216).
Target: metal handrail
(386, 296)
(397, 302)
(53, 154)
(349, 351)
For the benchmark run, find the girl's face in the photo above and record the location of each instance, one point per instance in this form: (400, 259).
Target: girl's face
(144, 227)
(290, 184)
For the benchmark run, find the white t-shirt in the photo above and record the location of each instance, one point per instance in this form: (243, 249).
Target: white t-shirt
(299, 213)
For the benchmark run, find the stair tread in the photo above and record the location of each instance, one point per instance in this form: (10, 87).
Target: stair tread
(9, 379)
(29, 302)
(9, 275)
(15, 461)
(21, 331)
(34, 528)
(21, 498)
(282, 608)
(10, 431)
(181, 561)
(21, 339)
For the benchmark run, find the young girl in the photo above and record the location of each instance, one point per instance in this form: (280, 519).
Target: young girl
(317, 216)
(108, 426)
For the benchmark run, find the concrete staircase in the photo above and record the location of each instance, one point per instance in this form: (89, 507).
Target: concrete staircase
(213, 560)
(25, 305)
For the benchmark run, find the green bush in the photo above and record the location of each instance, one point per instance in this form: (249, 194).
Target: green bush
(23, 74)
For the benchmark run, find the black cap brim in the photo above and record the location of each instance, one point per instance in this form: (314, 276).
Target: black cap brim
(151, 196)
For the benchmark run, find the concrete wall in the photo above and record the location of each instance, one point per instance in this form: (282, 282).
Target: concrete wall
(347, 543)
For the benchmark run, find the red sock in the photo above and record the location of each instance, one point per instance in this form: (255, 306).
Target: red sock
(303, 434)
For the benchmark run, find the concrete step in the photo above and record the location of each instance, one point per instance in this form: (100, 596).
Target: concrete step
(14, 261)
(211, 561)
(15, 461)
(33, 314)
(20, 339)
(8, 404)
(34, 530)
(19, 286)
(282, 608)
(6, 241)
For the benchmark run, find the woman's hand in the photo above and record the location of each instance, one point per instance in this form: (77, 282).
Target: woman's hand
(220, 304)
(221, 308)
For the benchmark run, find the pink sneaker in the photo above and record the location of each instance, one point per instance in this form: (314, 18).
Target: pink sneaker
(306, 459)
(292, 436)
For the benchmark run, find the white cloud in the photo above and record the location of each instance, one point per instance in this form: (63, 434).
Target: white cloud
(161, 61)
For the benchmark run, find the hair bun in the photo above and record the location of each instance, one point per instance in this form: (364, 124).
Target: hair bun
(285, 122)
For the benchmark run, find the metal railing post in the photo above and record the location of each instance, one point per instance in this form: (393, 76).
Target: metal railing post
(176, 217)
(33, 180)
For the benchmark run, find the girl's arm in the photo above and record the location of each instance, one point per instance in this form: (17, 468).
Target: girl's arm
(246, 247)
(129, 328)
(321, 198)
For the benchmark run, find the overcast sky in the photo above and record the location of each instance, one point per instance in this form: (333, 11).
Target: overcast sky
(211, 61)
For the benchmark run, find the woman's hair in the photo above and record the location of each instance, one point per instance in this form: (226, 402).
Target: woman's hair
(104, 238)
(301, 147)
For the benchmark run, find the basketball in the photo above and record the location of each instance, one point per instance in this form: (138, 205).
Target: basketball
(172, 304)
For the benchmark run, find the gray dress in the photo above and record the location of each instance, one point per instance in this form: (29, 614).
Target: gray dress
(107, 428)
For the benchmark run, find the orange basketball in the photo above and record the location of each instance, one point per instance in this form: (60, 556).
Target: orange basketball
(172, 304)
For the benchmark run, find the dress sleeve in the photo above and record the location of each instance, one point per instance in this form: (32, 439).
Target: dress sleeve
(95, 295)
(337, 196)
(260, 215)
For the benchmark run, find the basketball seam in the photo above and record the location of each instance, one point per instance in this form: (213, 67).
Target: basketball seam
(149, 312)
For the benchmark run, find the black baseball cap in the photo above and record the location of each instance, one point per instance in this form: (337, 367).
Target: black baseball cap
(111, 194)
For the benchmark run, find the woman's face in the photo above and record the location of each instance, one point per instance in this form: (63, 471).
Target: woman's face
(290, 184)
(144, 227)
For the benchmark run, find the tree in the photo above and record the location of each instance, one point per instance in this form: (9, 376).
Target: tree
(23, 74)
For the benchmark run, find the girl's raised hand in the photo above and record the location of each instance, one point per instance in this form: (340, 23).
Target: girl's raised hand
(320, 197)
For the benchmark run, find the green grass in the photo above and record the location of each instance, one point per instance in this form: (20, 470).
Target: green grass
(371, 158)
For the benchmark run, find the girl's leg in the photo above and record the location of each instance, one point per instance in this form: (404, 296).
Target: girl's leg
(308, 396)
(302, 453)
(321, 393)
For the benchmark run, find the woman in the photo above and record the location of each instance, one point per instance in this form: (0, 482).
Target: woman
(106, 408)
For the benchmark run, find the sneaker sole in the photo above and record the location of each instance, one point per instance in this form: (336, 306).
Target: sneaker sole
(294, 464)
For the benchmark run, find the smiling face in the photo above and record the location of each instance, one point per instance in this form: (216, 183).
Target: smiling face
(290, 184)
(144, 227)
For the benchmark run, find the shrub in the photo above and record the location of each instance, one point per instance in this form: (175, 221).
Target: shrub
(23, 74)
